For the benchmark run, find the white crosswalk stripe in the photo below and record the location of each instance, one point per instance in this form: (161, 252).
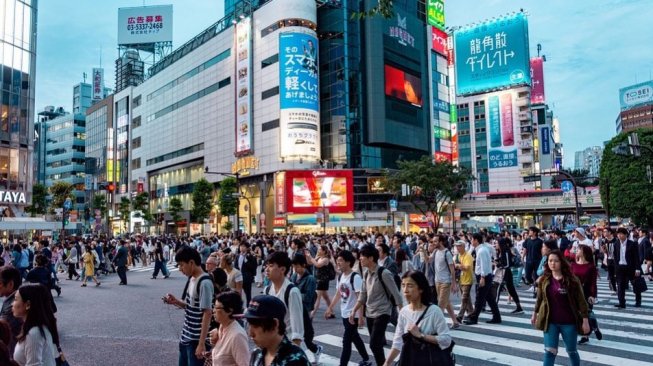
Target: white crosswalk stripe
(150, 268)
(627, 337)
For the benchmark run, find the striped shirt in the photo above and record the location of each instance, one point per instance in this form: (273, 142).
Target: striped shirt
(196, 302)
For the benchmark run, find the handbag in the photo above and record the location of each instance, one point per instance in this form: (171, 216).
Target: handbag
(499, 273)
(416, 351)
(639, 285)
(61, 360)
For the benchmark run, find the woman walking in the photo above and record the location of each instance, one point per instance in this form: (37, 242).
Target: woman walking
(433, 326)
(587, 273)
(504, 263)
(89, 266)
(234, 276)
(230, 343)
(323, 271)
(560, 309)
(159, 262)
(38, 337)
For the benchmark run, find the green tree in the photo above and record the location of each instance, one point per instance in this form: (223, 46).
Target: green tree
(625, 188)
(581, 176)
(125, 211)
(433, 185)
(384, 8)
(202, 200)
(59, 192)
(39, 200)
(141, 207)
(226, 200)
(100, 203)
(175, 208)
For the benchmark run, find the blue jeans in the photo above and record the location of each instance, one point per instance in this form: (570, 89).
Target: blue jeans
(551, 339)
(187, 355)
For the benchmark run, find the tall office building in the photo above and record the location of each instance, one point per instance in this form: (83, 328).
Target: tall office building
(17, 67)
(590, 160)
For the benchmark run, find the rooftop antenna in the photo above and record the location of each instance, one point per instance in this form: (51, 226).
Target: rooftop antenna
(100, 56)
(84, 77)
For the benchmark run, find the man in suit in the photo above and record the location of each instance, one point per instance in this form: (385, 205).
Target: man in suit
(246, 263)
(563, 241)
(120, 261)
(627, 266)
(644, 244)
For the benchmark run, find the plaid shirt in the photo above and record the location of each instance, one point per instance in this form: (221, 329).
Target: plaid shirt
(287, 355)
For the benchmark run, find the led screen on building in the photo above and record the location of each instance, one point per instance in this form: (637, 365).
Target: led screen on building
(309, 190)
(439, 41)
(402, 85)
(491, 55)
(502, 152)
(299, 96)
(537, 81)
(145, 24)
(435, 13)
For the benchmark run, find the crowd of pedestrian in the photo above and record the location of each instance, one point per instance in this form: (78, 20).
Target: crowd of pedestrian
(407, 282)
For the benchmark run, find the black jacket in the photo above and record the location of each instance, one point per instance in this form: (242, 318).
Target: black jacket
(249, 265)
(632, 257)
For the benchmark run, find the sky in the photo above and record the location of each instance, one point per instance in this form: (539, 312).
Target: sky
(593, 48)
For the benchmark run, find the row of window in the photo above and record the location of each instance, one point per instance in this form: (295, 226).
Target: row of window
(223, 55)
(295, 22)
(175, 154)
(65, 162)
(189, 99)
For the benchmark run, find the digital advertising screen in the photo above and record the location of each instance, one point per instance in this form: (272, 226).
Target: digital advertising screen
(309, 190)
(402, 85)
(492, 55)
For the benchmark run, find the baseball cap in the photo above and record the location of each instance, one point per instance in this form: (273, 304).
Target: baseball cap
(460, 242)
(264, 307)
(581, 231)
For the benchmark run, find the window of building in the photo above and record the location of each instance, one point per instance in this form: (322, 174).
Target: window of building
(137, 101)
(270, 125)
(176, 154)
(294, 22)
(136, 143)
(270, 93)
(270, 61)
(136, 122)
(136, 163)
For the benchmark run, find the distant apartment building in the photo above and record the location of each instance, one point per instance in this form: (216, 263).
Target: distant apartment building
(589, 159)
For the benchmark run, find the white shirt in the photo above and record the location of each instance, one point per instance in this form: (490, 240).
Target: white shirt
(433, 323)
(483, 260)
(294, 314)
(35, 349)
(348, 295)
(622, 254)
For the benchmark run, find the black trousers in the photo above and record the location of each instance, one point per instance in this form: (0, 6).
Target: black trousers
(122, 273)
(483, 295)
(351, 336)
(624, 275)
(530, 272)
(612, 277)
(376, 327)
(72, 271)
(247, 287)
(509, 284)
(309, 332)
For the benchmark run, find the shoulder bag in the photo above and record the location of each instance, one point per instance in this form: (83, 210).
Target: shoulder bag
(416, 351)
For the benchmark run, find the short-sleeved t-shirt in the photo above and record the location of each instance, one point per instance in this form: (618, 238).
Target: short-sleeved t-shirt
(561, 312)
(348, 295)
(234, 277)
(196, 303)
(443, 259)
(466, 260)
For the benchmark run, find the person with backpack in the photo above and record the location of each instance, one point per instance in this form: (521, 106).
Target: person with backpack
(379, 294)
(348, 290)
(306, 284)
(197, 302)
(277, 266)
(445, 278)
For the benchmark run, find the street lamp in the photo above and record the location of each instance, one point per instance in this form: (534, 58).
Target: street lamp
(237, 176)
(323, 197)
(453, 217)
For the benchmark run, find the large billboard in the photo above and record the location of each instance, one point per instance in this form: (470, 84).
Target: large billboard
(537, 81)
(308, 191)
(145, 24)
(502, 152)
(299, 120)
(98, 83)
(636, 95)
(402, 85)
(243, 88)
(435, 13)
(439, 41)
(491, 55)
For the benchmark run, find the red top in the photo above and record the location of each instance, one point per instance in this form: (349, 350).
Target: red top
(587, 274)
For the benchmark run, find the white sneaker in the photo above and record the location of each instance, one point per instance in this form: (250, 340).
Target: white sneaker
(317, 354)
(531, 289)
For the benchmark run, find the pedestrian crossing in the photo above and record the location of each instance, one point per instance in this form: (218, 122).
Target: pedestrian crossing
(627, 336)
(150, 268)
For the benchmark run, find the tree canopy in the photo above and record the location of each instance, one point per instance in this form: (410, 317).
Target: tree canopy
(433, 185)
(384, 8)
(202, 200)
(39, 200)
(630, 192)
(59, 192)
(175, 208)
(581, 176)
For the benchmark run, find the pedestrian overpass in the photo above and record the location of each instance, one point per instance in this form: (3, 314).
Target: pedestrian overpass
(554, 205)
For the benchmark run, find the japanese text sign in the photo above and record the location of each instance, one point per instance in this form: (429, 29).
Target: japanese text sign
(492, 55)
(537, 80)
(435, 13)
(636, 95)
(145, 24)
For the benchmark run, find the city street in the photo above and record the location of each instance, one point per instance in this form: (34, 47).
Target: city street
(130, 325)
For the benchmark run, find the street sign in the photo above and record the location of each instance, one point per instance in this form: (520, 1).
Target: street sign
(68, 204)
(393, 205)
(532, 178)
(566, 186)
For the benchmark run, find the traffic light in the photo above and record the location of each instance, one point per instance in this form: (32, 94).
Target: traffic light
(111, 187)
(66, 217)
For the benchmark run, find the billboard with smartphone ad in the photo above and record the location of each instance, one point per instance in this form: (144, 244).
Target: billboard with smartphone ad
(308, 191)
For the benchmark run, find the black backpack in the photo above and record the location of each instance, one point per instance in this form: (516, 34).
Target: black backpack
(351, 279)
(306, 317)
(202, 278)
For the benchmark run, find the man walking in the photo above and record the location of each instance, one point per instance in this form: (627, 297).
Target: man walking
(246, 264)
(465, 264)
(533, 248)
(627, 267)
(120, 261)
(484, 277)
(445, 278)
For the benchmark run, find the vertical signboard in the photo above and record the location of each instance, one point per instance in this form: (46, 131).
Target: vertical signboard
(502, 152)
(299, 120)
(546, 144)
(537, 81)
(454, 134)
(439, 41)
(243, 89)
(280, 192)
(98, 83)
(491, 55)
(435, 13)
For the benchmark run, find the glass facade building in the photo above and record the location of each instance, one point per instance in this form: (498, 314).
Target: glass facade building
(17, 66)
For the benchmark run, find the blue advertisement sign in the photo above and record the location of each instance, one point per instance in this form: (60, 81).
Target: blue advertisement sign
(494, 125)
(636, 95)
(440, 105)
(492, 55)
(298, 71)
(502, 159)
(546, 138)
